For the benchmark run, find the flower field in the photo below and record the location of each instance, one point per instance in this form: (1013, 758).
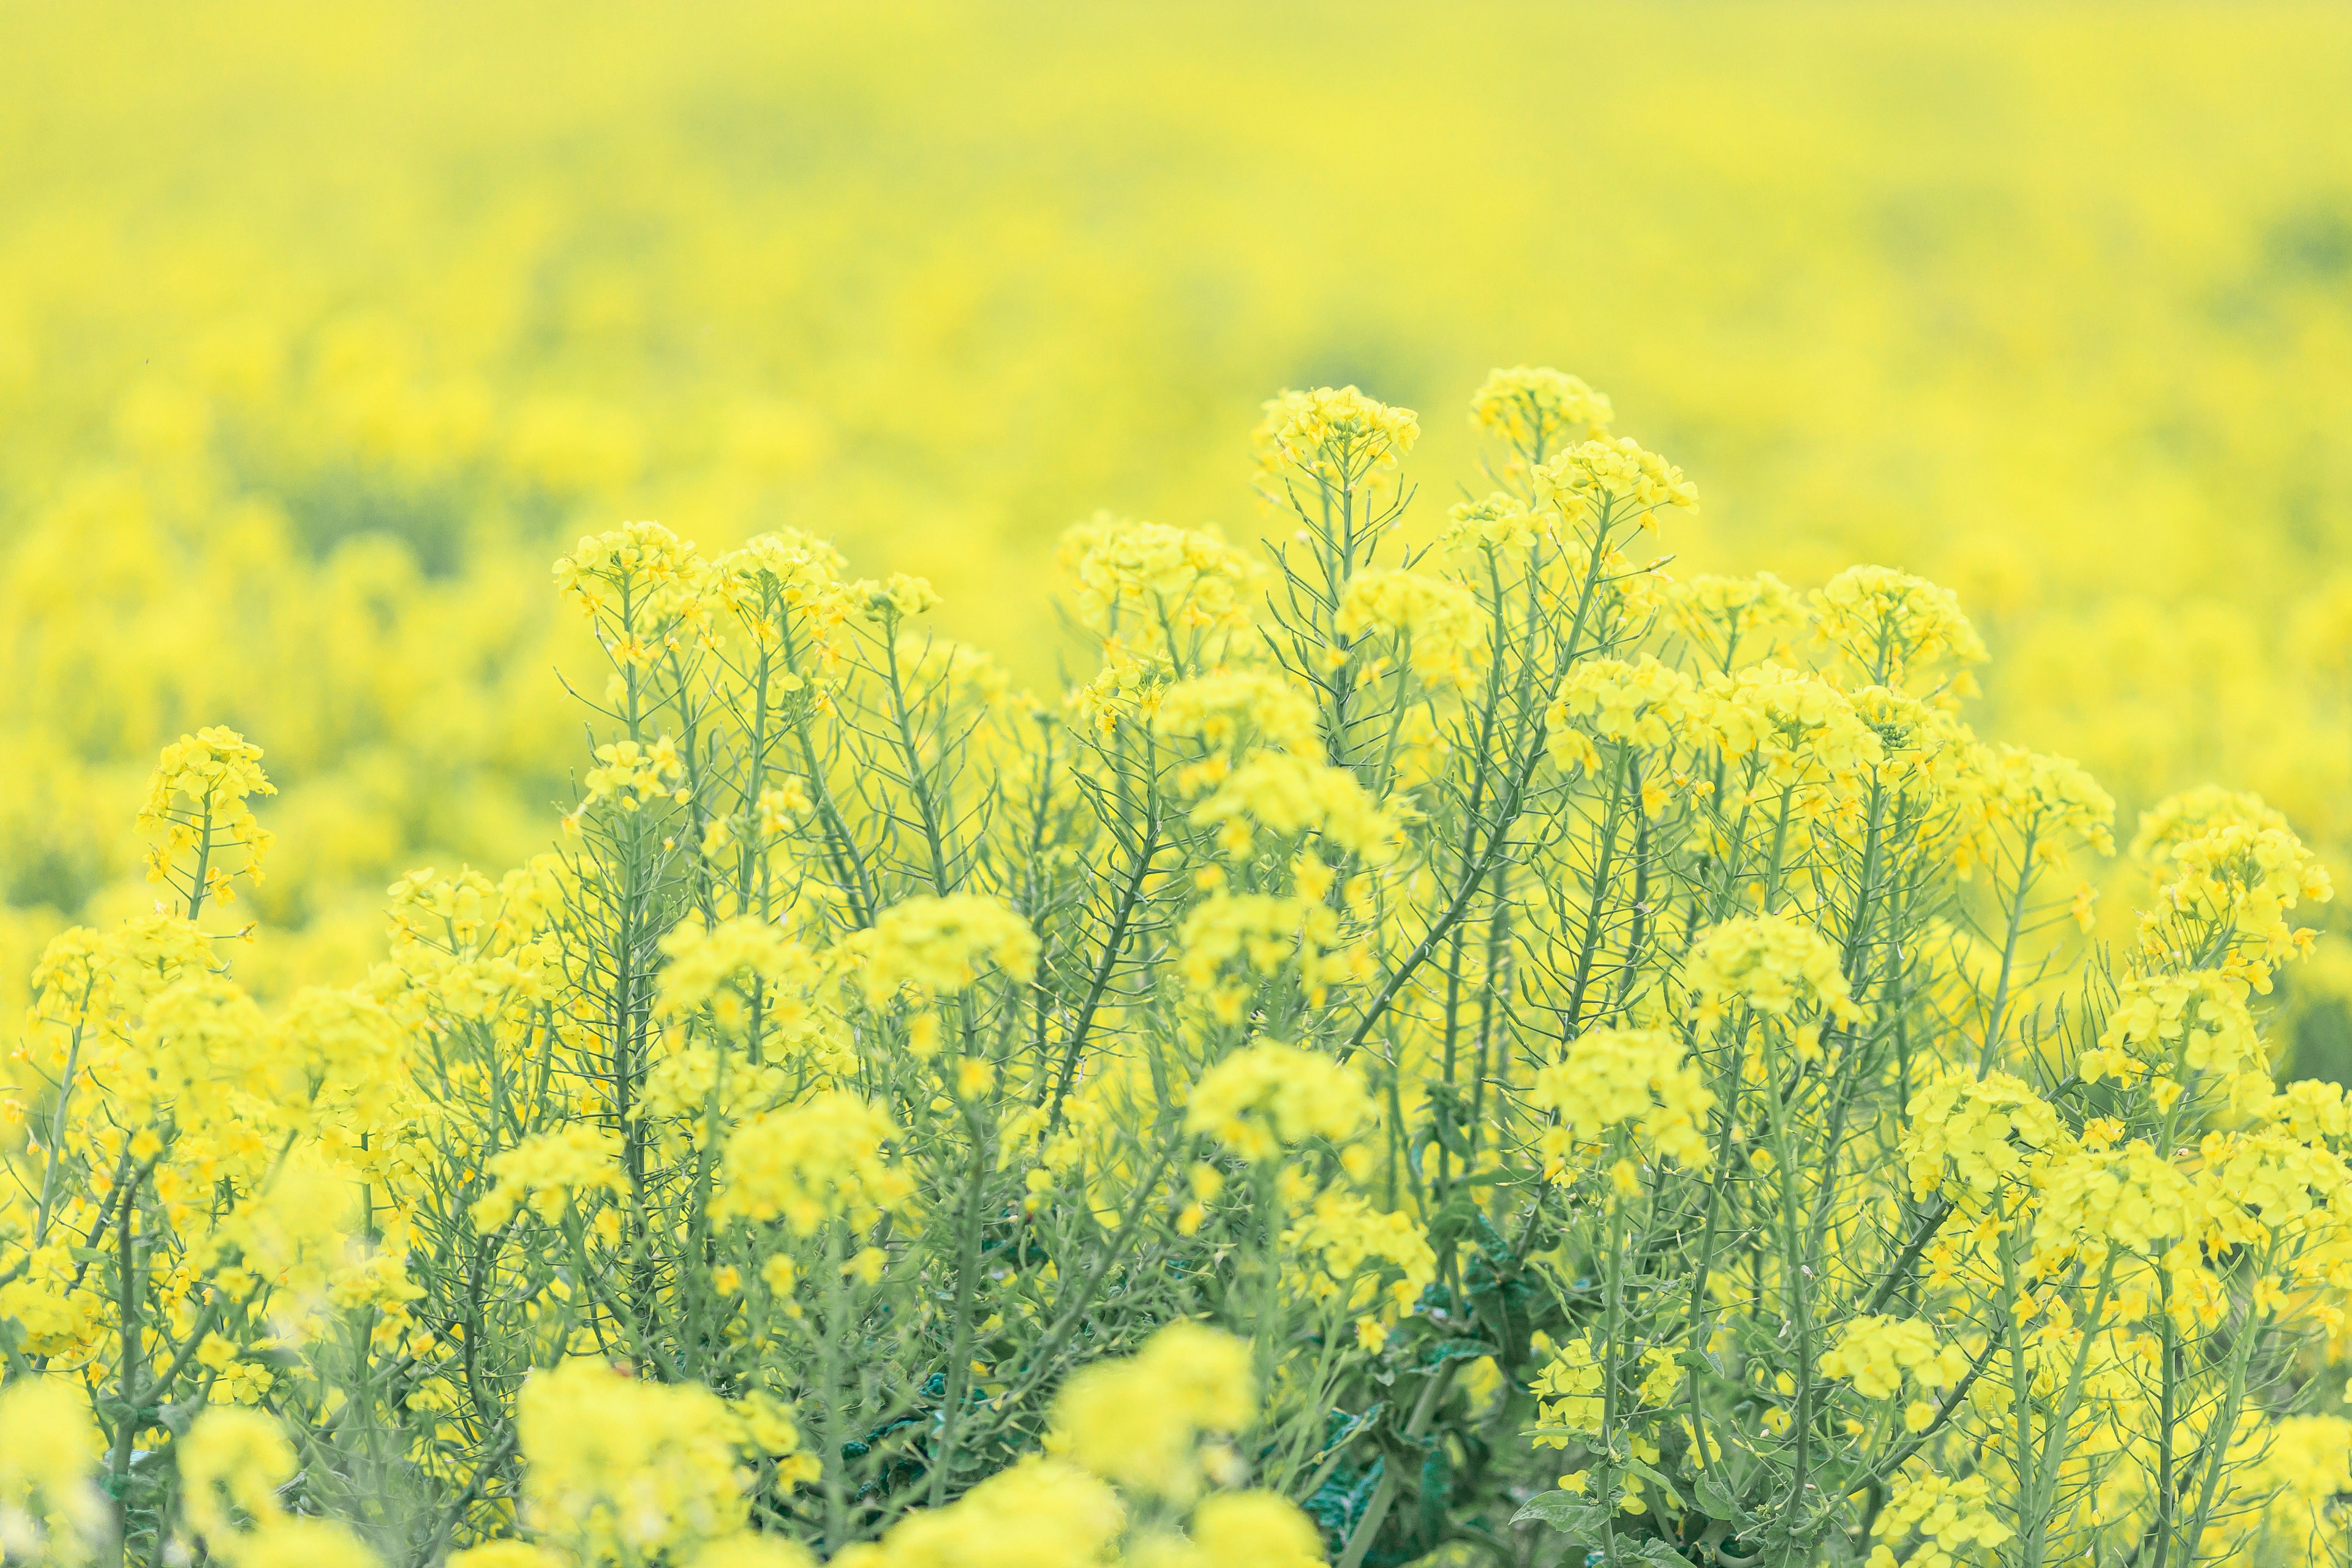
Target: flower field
(1733, 969)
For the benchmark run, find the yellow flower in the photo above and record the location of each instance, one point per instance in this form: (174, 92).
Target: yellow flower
(1436, 621)
(1138, 1422)
(1040, 1513)
(1876, 1353)
(1641, 1081)
(1535, 407)
(616, 1467)
(232, 1463)
(547, 1170)
(50, 1511)
(1268, 1096)
(1772, 965)
(933, 946)
(1968, 1136)
(821, 1160)
(1337, 435)
(196, 811)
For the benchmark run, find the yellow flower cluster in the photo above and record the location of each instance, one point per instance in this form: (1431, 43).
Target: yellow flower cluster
(1268, 1097)
(1041, 1513)
(932, 946)
(1436, 621)
(2178, 1024)
(1501, 523)
(1637, 1081)
(1285, 795)
(822, 1160)
(1156, 589)
(1770, 964)
(1876, 1353)
(1953, 1520)
(201, 830)
(2235, 881)
(1735, 620)
(737, 966)
(1534, 408)
(546, 1172)
(1971, 1135)
(1893, 627)
(619, 1469)
(1597, 477)
(1348, 1248)
(1647, 704)
(633, 775)
(50, 1511)
(1266, 931)
(1236, 709)
(1138, 1422)
(900, 596)
(1334, 436)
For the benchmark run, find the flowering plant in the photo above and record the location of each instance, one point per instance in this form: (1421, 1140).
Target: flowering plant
(1419, 1052)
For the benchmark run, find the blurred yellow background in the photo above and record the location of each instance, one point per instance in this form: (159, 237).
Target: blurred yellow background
(323, 330)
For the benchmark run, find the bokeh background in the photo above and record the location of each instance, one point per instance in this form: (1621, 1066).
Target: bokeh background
(322, 330)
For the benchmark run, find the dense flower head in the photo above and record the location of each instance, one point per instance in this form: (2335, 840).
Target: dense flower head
(196, 811)
(2053, 799)
(635, 773)
(1639, 1081)
(1735, 620)
(2191, 814)
(1971, 1136)
(2237, 882)
(49, 1510)
(1877, 1354)
(620, 1470)
(1643, 703)
(1039, 1513)
(1770, 964)
(546, 1170)
(1139, 1421)
(785, 584)
(1501, 521)
(825, 1159)
(1345, 1247)
(1534, 408)
(1955, 1521)
(1285, 795)
(729, 966)
(933, 946)
(1613, 475)
(900, 596)
(1893, 627)
(2310, 1459)
(1268, 1096)
(232, 1463)
(1436, 621)
(1335, 435)
(1263, 1529)
(1266, 931)
(2132, 1198)
(1791, 726)
(2176, 1025)
(643, 585)
(1233, 709)
(1153, 587)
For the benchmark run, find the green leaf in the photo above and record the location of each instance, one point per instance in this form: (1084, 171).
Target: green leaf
(1658, 1478)
(1715, 1500)
(1568, 1514)
(1662, 1555)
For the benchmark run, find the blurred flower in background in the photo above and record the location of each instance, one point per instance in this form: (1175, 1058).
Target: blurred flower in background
(323, 331)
